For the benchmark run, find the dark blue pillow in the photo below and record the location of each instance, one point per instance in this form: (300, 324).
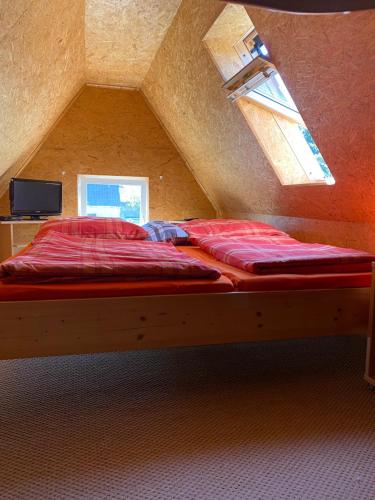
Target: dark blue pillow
(160, 230)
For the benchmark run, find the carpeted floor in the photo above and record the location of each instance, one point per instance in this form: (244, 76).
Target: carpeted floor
(284, 420)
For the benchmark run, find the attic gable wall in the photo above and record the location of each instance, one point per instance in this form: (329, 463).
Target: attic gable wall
(114, 132)
(328, 62)
(42, 65)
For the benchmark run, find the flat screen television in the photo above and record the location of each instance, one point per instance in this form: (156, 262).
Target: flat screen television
(35, 197)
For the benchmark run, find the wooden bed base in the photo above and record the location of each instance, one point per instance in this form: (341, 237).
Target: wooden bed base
(62, 327)
(370, 358)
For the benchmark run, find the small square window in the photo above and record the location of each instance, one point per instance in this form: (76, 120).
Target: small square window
(113, 196)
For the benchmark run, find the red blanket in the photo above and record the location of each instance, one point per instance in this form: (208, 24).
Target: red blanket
(283, 254)
(56, 257)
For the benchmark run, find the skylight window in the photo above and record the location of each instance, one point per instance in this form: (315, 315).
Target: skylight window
(274, 94)
(254, 84)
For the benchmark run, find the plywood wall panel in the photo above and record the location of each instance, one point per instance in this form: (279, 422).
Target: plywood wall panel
(42, 56)
(114, 132)
(184, 86)
(122, 37)
(328, 63)
(359, 235)
(10, 13)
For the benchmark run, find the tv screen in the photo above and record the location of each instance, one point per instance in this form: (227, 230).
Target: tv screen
(35, 197)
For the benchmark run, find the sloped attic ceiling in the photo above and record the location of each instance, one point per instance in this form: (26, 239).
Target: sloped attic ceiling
(123, 36)
(43, 56)
(42, 66)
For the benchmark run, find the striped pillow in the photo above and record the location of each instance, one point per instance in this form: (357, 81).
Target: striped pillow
(228, 227)
(159, 230)
(94, 227)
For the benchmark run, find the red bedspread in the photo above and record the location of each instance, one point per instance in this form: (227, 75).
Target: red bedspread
(58, 258)
(282, 254)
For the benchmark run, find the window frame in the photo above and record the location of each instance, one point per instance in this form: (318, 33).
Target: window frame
(268, 102)
(275, 105)
(84, 180)
(272, 105)
(244, 63)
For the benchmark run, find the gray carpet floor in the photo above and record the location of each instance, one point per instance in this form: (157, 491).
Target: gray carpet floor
(280, 420)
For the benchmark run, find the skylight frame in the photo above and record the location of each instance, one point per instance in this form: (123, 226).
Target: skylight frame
(286, 108)
(277, 124)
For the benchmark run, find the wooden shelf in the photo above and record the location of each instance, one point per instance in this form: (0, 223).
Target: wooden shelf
(19, 222)
(8, 246)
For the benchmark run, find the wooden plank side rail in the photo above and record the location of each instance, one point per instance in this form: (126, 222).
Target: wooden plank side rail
(370, 356)
(62, 327)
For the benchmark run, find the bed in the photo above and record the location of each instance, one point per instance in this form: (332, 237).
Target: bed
(45, 319)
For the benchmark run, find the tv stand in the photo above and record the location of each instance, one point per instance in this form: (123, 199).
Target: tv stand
(8, 246)
(37, 217)
(22, 218)
(9, 217)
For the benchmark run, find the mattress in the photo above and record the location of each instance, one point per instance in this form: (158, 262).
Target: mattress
(232, 279)
(115, 288)
(53, 291)
(248, 282)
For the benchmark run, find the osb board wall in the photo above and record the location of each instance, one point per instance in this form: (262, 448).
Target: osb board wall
(342, 233)
(334, 92)
(333, 89)
(42, 54)
(114, 132)
(123, 37)
(184, 86)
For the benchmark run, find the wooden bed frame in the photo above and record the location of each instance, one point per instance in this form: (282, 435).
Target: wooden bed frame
(62, 327)
(370, 358)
